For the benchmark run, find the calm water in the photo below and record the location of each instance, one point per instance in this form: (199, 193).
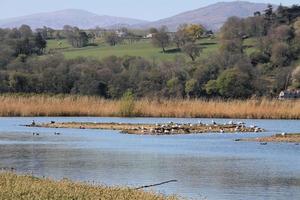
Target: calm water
(210, 166)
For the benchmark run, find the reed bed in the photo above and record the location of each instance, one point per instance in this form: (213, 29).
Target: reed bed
(26, 187)
(60, 105)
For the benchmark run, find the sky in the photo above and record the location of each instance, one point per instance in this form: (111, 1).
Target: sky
(141, 9)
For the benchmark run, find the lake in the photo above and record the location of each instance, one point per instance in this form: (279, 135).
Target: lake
(210, 166)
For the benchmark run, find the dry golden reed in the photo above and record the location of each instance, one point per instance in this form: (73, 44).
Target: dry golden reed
(60, 105)
(26, 187)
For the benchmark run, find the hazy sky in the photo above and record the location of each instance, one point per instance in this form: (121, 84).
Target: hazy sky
(142, 9)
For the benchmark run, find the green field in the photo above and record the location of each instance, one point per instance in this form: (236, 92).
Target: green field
(143, 48)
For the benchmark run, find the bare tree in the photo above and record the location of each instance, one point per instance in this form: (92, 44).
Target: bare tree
(161, 38)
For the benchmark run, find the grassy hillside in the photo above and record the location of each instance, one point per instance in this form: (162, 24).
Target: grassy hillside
(143, 48)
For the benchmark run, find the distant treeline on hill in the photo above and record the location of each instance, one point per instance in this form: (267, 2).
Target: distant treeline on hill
(229, 72)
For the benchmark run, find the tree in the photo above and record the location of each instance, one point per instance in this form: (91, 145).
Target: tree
(233, 29)
(181, 37)
(254, 26)
(75, 36)
(190, 87)
(296, 77)
(153, 30)
(161, 38)
(233, 83)
(280, 54)
(192, 50)
(112, 38)
(232, 35)
(188, 33)
(297, 28)
(282, 33)
(40, 43)
(175, 87)
(195, 31)
(269, 16)
(211, 87)
(25, 31)
(233, 46)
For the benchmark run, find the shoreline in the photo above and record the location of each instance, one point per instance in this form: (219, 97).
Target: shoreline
(27, 187)
(155, 129)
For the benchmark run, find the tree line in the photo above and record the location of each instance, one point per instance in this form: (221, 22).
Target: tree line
(230, 72)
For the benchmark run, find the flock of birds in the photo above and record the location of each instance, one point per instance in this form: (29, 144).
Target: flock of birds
(37, 134)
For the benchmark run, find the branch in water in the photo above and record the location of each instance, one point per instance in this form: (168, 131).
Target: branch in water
(153, 185)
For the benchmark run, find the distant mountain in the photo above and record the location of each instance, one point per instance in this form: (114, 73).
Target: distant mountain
(73, 17)
(212, 16)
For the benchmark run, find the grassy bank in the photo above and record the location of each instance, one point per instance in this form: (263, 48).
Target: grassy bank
(43, 105)
(15, 187)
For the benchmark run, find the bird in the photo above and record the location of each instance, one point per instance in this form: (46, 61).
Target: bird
(230, 123)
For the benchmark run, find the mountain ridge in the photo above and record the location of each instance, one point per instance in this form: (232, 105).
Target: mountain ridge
(212, 16)
(74, 17)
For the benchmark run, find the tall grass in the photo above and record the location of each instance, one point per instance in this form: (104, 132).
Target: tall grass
(127, 105)
(45, 105)
(16, 187)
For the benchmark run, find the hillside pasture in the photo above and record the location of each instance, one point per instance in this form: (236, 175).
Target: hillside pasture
(142, 48)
